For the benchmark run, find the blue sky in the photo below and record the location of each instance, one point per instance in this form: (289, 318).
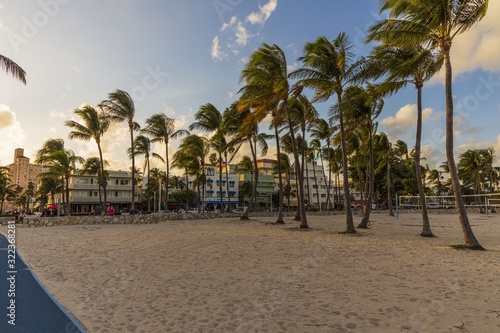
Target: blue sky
(174, 56)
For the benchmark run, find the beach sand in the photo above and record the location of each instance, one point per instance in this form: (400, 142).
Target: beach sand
(227, 275)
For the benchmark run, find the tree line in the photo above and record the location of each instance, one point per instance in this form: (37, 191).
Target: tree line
(413, 44)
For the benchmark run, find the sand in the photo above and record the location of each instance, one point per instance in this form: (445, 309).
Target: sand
(225, 275)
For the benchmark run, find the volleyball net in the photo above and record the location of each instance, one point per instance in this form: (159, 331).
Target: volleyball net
(481, 202)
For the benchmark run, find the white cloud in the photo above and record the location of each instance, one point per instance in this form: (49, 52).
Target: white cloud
(264, 13)
(231, 23)
(404, 120)
(239, 32)
(242, 35)
(216, 53)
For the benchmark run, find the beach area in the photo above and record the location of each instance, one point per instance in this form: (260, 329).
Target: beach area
(227, 275)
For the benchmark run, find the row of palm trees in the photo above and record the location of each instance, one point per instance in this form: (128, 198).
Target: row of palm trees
(415, 42)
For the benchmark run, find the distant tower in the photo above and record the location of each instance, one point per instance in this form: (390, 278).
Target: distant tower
(21, 172)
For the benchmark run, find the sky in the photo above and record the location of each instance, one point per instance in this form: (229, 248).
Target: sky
(175, 56)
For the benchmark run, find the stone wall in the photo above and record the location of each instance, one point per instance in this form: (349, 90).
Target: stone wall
(31, 222)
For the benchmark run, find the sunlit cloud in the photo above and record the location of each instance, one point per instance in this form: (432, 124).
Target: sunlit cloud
(404, 120)
(264, 13)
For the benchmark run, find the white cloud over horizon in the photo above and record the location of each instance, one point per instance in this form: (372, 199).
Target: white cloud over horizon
(404, 120)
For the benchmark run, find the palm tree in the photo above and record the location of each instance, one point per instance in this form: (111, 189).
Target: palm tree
(182, 159)
(328, 68)
(362, 107)
(142, 146)
(93, 166)
(7, 190)
(93, 127)
(383, 148)
(62, 163)
(119, 107)
(322, 131)
(434, 24)
(10, 67)
(161, 128)
(198, 147)
(266, 86)
(410, 65)
(209, 119)
(43, 156)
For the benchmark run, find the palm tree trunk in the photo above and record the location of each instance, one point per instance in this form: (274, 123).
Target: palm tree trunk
(347, 193)
(102, 178)
(316, 185)
(167, 175)
(328, 199)
(132, 206)
(220, 182)
(470, 240)
(251, 201)
(280, 219)
(368, 208)
(426, 226)
(300, 188)
(388, 186)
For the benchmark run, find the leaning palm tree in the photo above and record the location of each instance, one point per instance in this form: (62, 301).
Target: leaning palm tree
(142, 146)
(413, 65)
(93, 126)
(434, 24)
(161, 128)
(362, 107)
(328, 68)
(266, 86)
(10, 67)
(119, 107)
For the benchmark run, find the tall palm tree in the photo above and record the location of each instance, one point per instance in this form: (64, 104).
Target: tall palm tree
(322, 131)
(434, 24)
(93, 126)
(362, 107)
(119, 107)
(328, 67)
(209, 119)
(266, 86)
(161, 128)
(198, 147)
(44, 156)
(142, 146)
(10, 67)
(93, 166)
(62, 163)
(383, 149)
(413, 65)
(182, 159)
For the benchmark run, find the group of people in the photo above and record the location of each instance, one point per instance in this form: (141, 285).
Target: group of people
(109, 211)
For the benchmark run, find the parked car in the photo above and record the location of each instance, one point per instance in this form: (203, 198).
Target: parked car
(193, 210)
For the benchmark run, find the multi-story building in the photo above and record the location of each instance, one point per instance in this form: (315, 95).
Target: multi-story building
(84, 191)
(22, 172)
(211, 197)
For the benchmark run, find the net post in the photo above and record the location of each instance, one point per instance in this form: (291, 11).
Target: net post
(486, 206)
